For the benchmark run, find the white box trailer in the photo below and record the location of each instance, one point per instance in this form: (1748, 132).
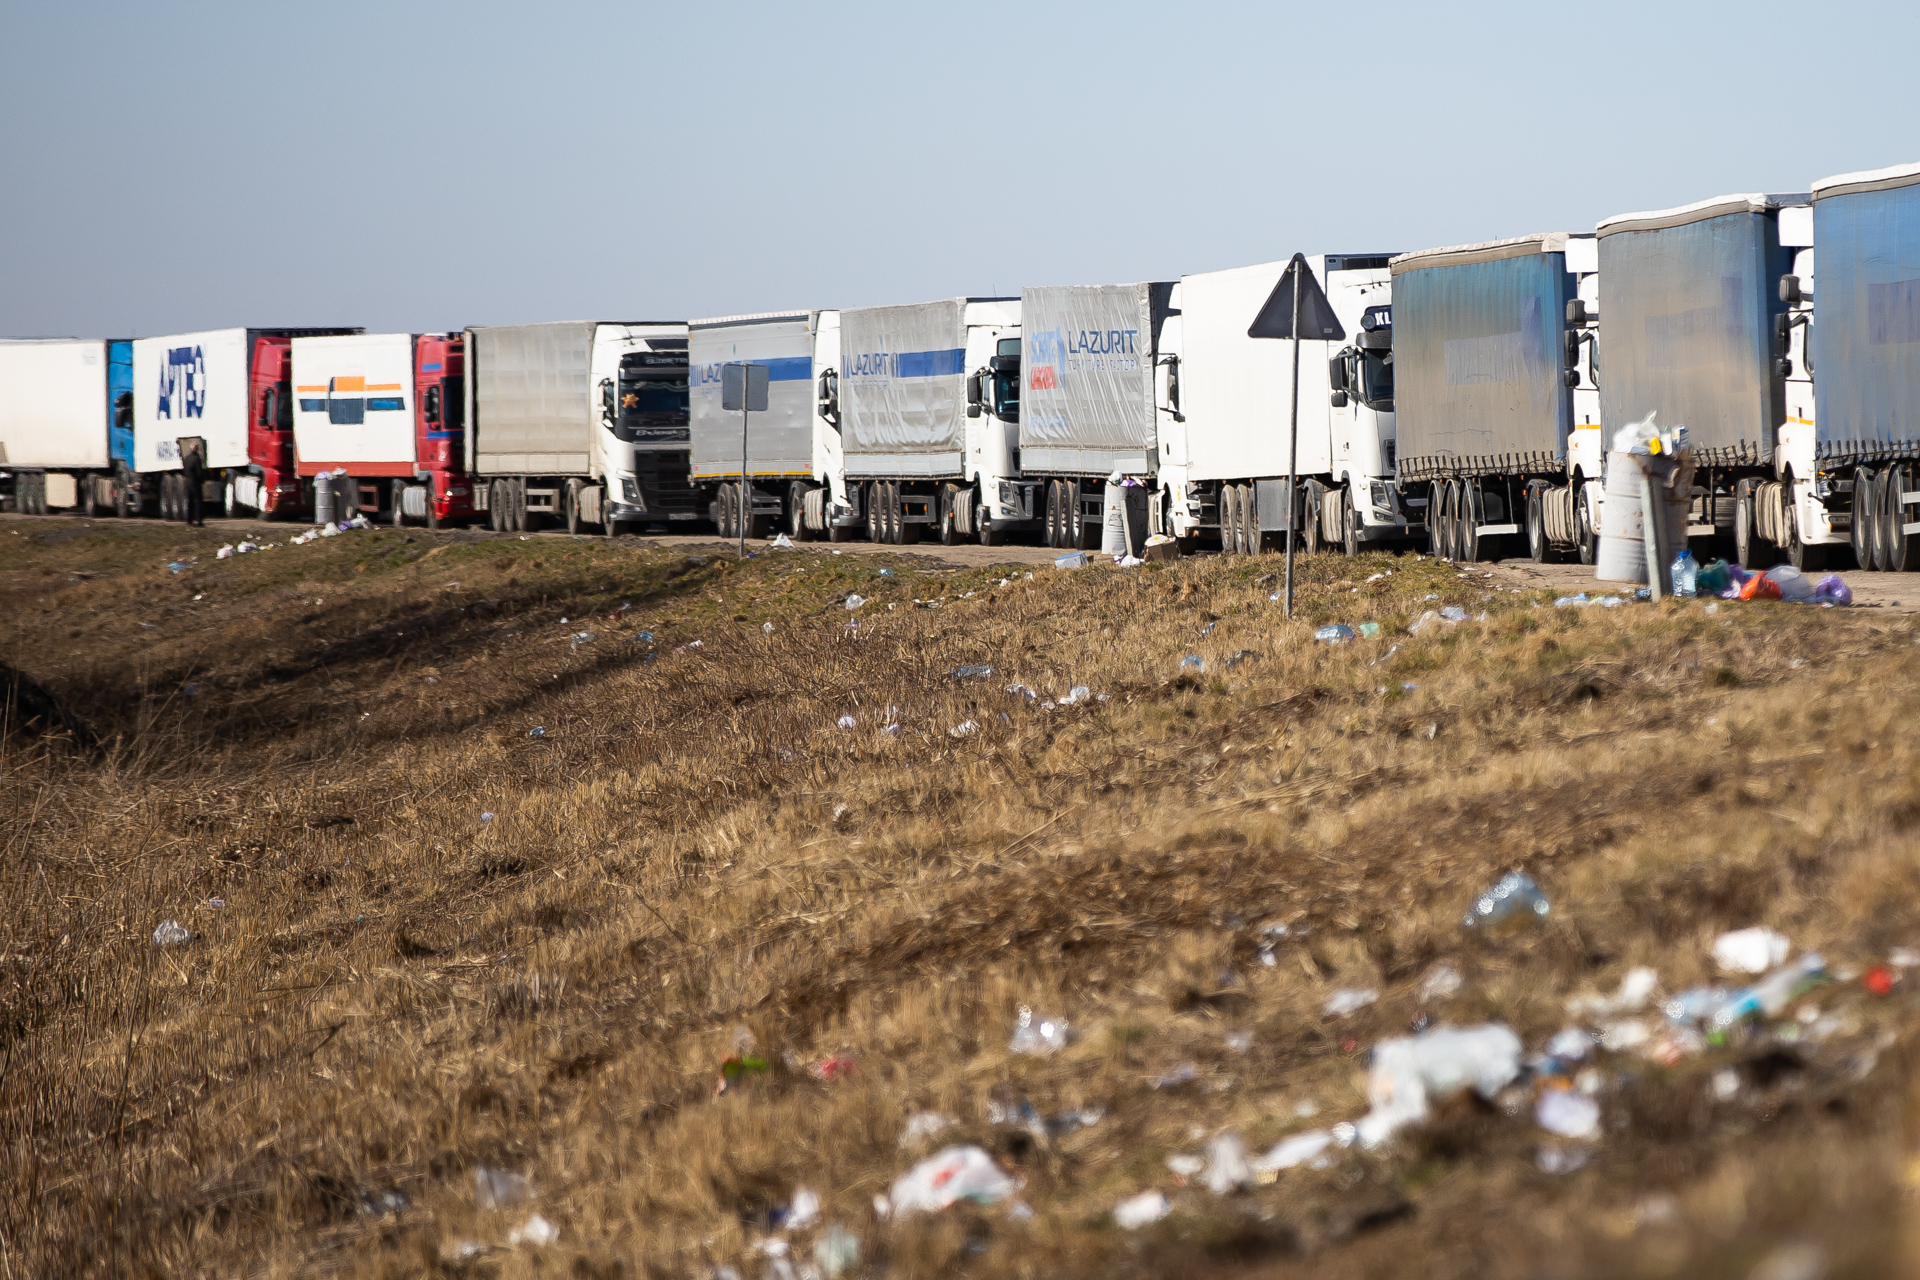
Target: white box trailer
(772, 467)
(538, 442)
(55, 414)
(926, 397)
(1225, 403)
(191, 384)
(353, 404)
(1087, 357)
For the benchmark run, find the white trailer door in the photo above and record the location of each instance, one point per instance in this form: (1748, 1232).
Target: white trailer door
(190, 384)
(53, 404)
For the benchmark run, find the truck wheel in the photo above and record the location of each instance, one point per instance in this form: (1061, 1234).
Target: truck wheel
(1799, 554)
(1350, 520)
(1903, 547)
(1052, 535)
(1589, 538)
(983, 528)
(895, 535)
(797, 512)
(570, 505)
(1537, 544)
(396, 503)
(1861, 518)
(1885, 525)
(948, 516)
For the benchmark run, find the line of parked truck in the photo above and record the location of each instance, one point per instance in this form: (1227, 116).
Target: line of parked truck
(1469, 405)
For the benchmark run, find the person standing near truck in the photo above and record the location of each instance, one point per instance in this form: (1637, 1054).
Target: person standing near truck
(193, 470)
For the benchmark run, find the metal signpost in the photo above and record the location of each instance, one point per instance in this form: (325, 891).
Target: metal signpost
(744, 387)
(1296, 308)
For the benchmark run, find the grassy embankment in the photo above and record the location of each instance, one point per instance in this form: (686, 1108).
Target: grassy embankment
(396, 992)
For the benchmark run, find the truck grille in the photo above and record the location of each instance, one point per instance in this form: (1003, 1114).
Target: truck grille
(666, 483)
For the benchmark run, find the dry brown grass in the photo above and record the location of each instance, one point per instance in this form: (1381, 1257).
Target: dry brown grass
(397, 993)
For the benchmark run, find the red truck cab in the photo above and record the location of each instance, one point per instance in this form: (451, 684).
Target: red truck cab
(440, 426)
(270, 433)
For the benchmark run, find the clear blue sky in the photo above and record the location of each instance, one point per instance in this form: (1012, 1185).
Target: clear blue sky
(175, 166)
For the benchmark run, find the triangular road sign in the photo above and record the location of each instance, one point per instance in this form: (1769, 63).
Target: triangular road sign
(1316, 313)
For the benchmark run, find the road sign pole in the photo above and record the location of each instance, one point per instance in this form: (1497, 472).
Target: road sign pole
(1293, 448)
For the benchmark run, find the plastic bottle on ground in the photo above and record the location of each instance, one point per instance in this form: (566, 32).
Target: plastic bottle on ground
(1684, 575)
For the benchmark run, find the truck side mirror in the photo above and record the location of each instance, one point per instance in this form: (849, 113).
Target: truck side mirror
(1790, 290)
(1576, 311)
(828, 398)
(1782, 328)
(1571, 342)
(430, 406)
(609, 410)
(1339, 399)
(1571, 377)
(976, 395)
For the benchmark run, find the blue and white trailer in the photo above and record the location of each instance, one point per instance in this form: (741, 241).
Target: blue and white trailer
(1698, 332)
(1495, 414)
(1866, 357)
(66, 426)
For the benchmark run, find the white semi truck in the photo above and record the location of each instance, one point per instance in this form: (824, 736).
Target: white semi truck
(578, 422)
(1224, 404)
(66, 424)
(924, 402)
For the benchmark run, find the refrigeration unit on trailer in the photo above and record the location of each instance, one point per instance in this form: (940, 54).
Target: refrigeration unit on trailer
(539, 442)
(1224, 406)
(778, 467)
(926, 401)
(377, 426)
(639, 375)
(1496, 416)
(1087, 412)
(65, 424)
(1697, 333)
(1865, 330)
(232, 390)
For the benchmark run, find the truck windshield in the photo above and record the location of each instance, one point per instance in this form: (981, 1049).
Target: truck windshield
(1376, 380)
(651, 403)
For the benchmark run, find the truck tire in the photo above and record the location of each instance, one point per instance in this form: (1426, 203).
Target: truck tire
(1884, 526)
(1350, 520)
(797, 512)
(1799, 554)
(896, 528)
(1538, 546)
(1587, 535)
(1439, 520)
(1232, 521)
(570, 505)
(123, 490)
(1862, 518)
(396, 502)
(983, 527)
(1903, 554)
(522, 522)
(947, 513)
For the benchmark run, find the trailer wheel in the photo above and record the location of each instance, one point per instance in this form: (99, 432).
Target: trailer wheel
(1538, 545)
(1885, 526)
(1861, 518)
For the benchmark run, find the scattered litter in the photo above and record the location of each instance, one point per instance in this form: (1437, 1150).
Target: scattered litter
(846, 722)
(966, 728)
(584, 637)
(837, 1066)
(1128, 562)
(1624, 1034)
(498, 1188)
(1409, 1070)
(1560, 1160)
(855, 601)
(1725, 1084)
(1636, 988)
(922, 1125)
(538, 731)
(735, 1070)
(837, 1250)
(1771, 994)
(1453, 613)
(1430, 620)
(1023, 691)
(170, 933)
(1227, 1168)
(1568, 1113)
(1348, 1000)
(1079, 693)
(804, 1212)
(1368, 630)
(1515, 898)
(1073, 560)
(536, 1231)
(1802, 1260)
(487, 816)
(218, 904)
(1193, 662)
(972, 673)
(1239, 1041)
(1295, 1150)
(224, 553)
(1753, 950)
(767, 627)
(643, 637)
(1142, 1210)
(1185, 1073)
(957, 1173)
(1442, 982)
(1572, 602)
(1336, 633)
(177, 566)
(1570, 1045)
(781, 542)
(1184, 1167)
(1036, 1035)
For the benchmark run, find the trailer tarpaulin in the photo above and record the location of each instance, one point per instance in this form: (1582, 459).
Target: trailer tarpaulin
(1086, 404)
(1866, 331)
(903, 387)
(1687, 300)
(1477, 372)
(780, 441)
